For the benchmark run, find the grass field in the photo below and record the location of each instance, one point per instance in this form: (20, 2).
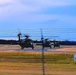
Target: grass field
(29, 63)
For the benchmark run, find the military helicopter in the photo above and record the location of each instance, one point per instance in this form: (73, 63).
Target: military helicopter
(25, 43)
(45, 42)
(48, 43)
(51, 44)
(56, 43)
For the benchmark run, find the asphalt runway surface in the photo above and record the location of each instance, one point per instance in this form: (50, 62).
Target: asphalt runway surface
(16, 48)
(27, 50)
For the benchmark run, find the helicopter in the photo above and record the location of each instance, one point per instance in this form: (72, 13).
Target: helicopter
(25, 43)
(50, 43)
(46, 43)
(56, 43)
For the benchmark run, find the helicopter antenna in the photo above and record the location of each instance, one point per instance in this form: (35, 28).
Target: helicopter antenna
(43, 67)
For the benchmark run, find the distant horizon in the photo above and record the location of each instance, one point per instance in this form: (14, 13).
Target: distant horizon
(50, 33)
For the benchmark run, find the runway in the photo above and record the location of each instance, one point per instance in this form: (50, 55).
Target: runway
(16, 48)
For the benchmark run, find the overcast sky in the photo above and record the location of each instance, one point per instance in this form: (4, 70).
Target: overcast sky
(36, 14)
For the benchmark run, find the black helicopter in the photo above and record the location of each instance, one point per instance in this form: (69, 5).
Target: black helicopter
(46, 43)
(25, 43)
(56, 43)
(49, 43)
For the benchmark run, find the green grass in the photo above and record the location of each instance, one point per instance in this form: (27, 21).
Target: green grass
(24, 63)
(52, 58)
(36, 69)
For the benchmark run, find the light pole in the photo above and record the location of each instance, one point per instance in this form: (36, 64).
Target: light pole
(43, 66)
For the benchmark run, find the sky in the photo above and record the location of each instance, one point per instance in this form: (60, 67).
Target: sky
(55, 17)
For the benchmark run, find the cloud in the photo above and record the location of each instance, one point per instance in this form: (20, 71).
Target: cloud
(28, 5)
(45, 2)
(26, 8)
(13, 7)
(37, 5)
(5, 1)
